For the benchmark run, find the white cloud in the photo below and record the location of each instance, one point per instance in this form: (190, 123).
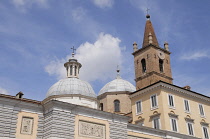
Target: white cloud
(23, 4)
(99, 60)
(56, 68)
(3, 91)
(78, 14)
(195, 55)
(103, 3)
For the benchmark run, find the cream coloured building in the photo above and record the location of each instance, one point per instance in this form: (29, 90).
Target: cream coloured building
(154, 109)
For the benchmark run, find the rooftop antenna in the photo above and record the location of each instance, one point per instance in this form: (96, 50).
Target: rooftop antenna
(73, 49)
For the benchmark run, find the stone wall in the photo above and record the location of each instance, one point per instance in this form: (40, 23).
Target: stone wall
(8, 121)
(118, 130)
(59, 124)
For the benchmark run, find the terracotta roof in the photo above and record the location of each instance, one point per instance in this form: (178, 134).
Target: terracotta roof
(149, 29)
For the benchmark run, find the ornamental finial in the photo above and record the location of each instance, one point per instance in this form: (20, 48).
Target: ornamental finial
(73, 49)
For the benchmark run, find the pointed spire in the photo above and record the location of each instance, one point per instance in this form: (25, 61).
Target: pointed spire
(149, 34)
(118, 73)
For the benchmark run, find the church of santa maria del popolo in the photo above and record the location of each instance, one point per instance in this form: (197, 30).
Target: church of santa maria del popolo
(153, 109)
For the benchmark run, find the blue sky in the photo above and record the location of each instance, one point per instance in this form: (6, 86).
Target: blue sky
(36, 37)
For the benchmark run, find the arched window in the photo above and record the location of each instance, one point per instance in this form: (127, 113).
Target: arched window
(71, 70)
(143, 64)
(101, 106)
(75, 71)
(161, 65)
(117, 106)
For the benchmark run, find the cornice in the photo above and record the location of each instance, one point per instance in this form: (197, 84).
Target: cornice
(82, 110)
(149, 46)
(176, 89)
(20, 104)
(151, 73)
(67, 95)
(112, 93)
(157, 132)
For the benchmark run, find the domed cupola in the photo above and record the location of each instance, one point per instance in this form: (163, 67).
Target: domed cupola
(72, 89)
(114, 96)
(117, 85)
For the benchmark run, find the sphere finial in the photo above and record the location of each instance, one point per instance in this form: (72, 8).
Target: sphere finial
(148, 16)
(73, 49)
(118, 72)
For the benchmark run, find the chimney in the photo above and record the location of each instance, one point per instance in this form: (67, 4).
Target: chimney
(19, 95)
(187, 87)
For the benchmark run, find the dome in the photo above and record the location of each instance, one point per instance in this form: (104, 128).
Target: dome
(71, 86)
(117, 85)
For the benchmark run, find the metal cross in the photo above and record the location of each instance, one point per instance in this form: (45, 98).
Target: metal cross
(73, 49)
(147, 10)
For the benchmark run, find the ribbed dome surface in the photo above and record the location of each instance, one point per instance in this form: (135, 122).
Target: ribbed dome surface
(71, 86)
(116, 86)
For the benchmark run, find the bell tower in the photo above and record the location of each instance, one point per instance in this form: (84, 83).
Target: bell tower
(152, 63)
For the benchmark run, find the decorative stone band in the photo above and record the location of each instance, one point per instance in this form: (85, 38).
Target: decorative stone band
(204, 124)
(92, 130)
(189, 120)
(173, 115)
(27, 125)
(155, 115)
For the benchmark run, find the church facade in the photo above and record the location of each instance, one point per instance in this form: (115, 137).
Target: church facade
(154, 109)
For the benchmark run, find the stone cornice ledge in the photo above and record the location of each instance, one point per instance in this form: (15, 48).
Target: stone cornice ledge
(21, 105)
(82, 110)
(156, 132)
(162, 85)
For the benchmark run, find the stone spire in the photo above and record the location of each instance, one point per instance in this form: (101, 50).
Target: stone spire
(149, 34)
(72, 66)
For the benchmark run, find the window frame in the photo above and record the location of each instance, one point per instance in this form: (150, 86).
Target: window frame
(137, 113)
(202, 113)
(176, 124)
(172, 101)
(153, 122)
(161, 65)
(187, 111)
(189, 130)
(151, 101)
(143, 65)
(101, 106)
(204, 132)
(116, 100)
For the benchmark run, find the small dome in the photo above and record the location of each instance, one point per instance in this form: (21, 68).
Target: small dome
(117, 85)
(71, 86)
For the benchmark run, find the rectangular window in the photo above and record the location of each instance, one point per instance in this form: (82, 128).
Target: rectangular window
(138, 107)
(186, 106)
(205, 133)
(174, 125)
(156, 123)
(171, 100)
(190, 129)
(201, 110)
(153, 101)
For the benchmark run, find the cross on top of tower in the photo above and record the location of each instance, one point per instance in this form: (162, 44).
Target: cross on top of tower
(148, 16)
(73, 49)
(147, 10)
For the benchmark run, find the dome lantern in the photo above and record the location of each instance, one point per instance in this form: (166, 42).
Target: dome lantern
(72, 66)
